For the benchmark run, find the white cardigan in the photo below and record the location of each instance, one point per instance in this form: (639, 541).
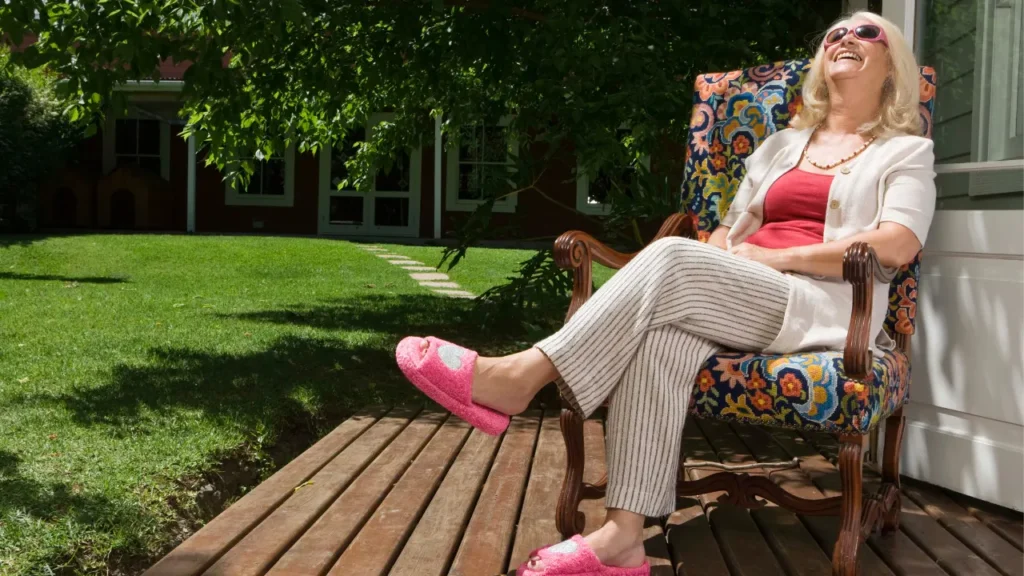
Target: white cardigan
(892, 181)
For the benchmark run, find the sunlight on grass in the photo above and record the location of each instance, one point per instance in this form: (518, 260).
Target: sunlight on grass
(131, 364)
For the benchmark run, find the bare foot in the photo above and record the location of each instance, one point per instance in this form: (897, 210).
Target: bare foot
(508, 383)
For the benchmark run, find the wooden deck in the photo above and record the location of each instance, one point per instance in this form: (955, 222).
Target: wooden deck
(404, 493)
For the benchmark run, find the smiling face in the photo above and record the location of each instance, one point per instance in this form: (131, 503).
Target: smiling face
(854, 59)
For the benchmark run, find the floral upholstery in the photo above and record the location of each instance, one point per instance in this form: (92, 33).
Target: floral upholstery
(733, 112)
(807, 391)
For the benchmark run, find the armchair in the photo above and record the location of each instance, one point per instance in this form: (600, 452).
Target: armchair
(848, 393)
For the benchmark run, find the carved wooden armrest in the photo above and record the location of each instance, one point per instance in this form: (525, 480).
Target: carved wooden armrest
(577, 251)
(859, 266)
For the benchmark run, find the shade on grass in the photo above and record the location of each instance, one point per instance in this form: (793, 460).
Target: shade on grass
(131, 363)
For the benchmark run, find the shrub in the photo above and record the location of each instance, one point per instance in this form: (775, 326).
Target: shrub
(34, 138)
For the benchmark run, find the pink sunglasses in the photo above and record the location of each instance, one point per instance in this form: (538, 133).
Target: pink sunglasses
(865, 32)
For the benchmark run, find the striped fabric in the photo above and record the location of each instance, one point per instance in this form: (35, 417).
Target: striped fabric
(641, 339)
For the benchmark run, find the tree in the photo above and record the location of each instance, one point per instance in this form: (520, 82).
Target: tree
(33, 135)
(270, 73)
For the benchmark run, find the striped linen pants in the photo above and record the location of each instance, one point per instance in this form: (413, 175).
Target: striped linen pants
(641, 340)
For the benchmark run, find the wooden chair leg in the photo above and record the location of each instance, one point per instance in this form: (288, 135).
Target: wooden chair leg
(851, 462)
(891, 468)
(568, 519)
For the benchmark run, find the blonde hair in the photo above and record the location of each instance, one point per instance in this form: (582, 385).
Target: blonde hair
(901, 92)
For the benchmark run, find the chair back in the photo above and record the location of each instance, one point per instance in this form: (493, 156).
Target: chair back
(733, 112)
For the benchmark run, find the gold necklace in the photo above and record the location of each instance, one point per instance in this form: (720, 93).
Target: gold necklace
(838, 162)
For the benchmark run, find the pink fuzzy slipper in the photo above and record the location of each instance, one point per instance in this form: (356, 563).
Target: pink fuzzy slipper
(445, 374)
(574, 557)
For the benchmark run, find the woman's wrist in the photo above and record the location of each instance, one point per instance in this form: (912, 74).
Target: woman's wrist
(790, 259)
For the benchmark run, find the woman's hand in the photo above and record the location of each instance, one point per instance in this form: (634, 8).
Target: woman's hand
(769, 257)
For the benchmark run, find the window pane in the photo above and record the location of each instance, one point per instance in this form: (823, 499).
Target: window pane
(610, 181)
(470, 144)
(255, 186)
(494, 181)
(125, 141)
(599, 189)
(149, 137)
(391, 212)
(346, 210)
(273, 177)
(150, 163)
(495, 148)
(978, 104)
(396, 179)
(342, 153)
(470, 182)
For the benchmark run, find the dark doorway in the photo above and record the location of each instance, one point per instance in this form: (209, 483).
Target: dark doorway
(65, 208)
(122, 209)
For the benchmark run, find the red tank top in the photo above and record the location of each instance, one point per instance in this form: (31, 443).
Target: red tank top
(794, 211)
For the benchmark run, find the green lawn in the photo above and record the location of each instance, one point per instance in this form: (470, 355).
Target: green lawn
(131, 365)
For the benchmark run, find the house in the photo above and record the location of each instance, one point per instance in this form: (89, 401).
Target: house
(966, 416)
(137, 174)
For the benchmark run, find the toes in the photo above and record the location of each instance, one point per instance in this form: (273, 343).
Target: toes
(424, 346)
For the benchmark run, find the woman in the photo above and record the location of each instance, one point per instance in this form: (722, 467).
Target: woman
(852, 169)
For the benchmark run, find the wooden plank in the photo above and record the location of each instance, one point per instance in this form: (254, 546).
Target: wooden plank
(824, 529)
(793, 546)
(209, 543)
(743, 546)
(594, 468)
(254, 553)
(537, 519)
(692, 544)
(656, 548)
(691, 541)
(487, 541)
(320, 545)
(1007, 559)
(433, 543)
(376, 546)
(946, 550)
(950, 553)
(1006, 523)
(901, 555)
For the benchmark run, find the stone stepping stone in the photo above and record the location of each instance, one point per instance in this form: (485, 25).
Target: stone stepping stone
(374, 248)
(406, 263)
(452, 285)
(456, 293)
(429, 277)
(419, 268)
(392, 256)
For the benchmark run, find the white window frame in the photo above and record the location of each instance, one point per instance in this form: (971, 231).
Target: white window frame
(233, 197)
(999, 79)
(110, 142)
(367, 227)
(452, 201)
(583, 203)
(980, 177)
